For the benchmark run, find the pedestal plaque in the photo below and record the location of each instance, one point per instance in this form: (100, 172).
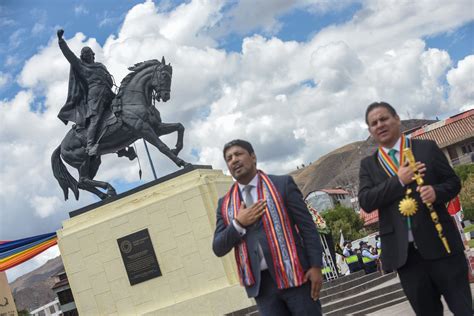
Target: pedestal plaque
(139, 257)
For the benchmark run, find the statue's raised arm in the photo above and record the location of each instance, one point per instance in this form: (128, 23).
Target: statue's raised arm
(70, 56)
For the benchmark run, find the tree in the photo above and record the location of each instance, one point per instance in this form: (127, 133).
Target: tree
(466, 174)
(344, 219)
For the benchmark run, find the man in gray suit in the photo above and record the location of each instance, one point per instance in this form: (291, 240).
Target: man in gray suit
(277, 246)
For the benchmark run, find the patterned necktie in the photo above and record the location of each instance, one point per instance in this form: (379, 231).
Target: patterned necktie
(248, 199)
(393, 154)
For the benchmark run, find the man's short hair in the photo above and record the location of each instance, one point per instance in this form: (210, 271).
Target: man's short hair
(238, 142)
(375, 105)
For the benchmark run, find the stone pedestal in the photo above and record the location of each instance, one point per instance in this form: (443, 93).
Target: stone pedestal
(180, 217)
(7, 304)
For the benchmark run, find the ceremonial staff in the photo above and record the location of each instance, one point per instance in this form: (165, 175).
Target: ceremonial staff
(408, 205)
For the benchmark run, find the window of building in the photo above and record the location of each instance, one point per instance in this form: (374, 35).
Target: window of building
(468, 148)
(71, 313)
(52, 309)
(65, 297)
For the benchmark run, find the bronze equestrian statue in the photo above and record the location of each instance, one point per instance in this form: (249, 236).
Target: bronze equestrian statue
(107, 123)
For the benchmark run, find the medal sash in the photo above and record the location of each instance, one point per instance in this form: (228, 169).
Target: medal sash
(387, 163)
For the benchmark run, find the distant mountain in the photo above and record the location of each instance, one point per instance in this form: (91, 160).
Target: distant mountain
(33, 289)
(340, 168)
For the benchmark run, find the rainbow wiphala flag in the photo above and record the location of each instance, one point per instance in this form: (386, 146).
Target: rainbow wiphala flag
(12, 253)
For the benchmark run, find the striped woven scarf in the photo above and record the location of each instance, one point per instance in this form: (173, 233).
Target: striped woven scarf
(277, 225)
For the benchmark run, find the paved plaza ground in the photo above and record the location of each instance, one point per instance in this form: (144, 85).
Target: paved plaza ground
(405, 309)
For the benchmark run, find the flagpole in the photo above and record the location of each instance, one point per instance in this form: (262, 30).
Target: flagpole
(149, 158)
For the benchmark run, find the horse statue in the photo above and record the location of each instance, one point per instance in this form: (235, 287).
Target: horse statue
(132, 116)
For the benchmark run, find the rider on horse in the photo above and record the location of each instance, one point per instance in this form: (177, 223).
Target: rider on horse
(89, 93)
(88, 105)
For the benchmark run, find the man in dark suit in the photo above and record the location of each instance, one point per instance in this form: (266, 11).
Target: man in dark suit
(410, 244)
(258, 219)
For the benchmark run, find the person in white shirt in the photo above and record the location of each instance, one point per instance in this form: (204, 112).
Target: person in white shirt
(347, 251)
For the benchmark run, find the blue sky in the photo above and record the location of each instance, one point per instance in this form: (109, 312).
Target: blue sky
(293, 77)
(19, 18)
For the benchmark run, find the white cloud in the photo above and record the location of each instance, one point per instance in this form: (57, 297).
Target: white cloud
(38, 28)
(45, 205)
(4, 79)
(336, 65)
(461, 81)
(80, 9)
(11, 60)
(248, 15)
(5, 22)
(106, 19)
(16, 38)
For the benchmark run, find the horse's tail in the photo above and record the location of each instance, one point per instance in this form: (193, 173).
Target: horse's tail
(66, 181)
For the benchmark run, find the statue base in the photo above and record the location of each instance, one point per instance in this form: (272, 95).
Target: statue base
(174, 272)
(7, 303)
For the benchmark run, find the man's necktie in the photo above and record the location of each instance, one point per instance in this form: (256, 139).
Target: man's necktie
(248, 199)
(393, 154)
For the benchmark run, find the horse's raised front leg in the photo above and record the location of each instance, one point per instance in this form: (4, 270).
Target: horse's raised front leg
(168, 128)
(86, 183)
(149, 134)
(91, 186)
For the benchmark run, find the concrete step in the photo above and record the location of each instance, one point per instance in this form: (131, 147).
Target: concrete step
(354, 297)
(344, 292)
(249, 311)
(364, 302)
(254, 313)
(349, 283)
(357, 288)
(343, 279)
(380, 306)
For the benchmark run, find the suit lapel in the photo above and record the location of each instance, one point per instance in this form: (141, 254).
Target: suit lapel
(379, 172)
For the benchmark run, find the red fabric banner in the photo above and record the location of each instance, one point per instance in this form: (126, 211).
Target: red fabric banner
(454, 206)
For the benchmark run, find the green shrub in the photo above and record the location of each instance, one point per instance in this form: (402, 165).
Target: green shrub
(344, 219)
(463, 171)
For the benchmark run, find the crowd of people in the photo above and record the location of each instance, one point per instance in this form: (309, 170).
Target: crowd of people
(366, 257)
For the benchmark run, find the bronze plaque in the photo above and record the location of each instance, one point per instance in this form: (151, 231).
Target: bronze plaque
(139, 257)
